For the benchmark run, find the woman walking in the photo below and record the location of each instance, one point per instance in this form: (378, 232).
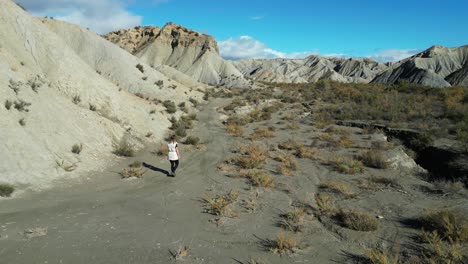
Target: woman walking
(173, 155)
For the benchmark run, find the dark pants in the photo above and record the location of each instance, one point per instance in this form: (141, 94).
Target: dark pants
(174, 165)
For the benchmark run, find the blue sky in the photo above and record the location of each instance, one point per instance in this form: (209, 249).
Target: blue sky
(383, 30)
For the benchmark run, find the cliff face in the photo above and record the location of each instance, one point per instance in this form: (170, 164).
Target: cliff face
(437, 67)
(311, 69)
(187, 51)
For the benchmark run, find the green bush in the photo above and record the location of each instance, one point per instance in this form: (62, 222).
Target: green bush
(77, 148)
(124, 149)
(170, 106)
(180, 132)
(190, 140)
(6, 190)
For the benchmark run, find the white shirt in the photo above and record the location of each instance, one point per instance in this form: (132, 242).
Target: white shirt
(172, 154)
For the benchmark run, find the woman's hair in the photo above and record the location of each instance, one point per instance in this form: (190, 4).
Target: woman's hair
(173, 137)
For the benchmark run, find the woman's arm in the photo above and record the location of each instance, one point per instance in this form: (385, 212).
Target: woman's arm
(178, 153)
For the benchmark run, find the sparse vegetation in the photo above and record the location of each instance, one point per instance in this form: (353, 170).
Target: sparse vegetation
(357, 220)
(374, 159)
(77, 148)
(135, 172)
(6, 190)
(22, 122)
(76, 99)
(338, 187)
(140, 68)
(124, 149)
(325, 204)
(191, 140)
(136, 164)
(293, 220)
(252, 157)
(21, 105)
(235, 129)
(170, 106)
(8, 104)
(449, 225)
(258, 178)
(181, 253)
(221, 205)
(162, 150)
(92, 107)
(262, 133)
(284, 243)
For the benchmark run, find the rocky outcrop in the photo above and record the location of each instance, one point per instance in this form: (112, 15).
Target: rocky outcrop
(189, 52)
(62, 85)
(436, 67)
(310, 69)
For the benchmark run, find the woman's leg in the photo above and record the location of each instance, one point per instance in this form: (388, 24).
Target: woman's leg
(176, 164)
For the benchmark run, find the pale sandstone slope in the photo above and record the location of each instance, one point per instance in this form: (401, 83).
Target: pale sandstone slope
(47, 73)
(190, 52)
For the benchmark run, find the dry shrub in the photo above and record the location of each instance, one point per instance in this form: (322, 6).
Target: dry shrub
(441, 251)
(162, 149)
(288, 164)
(383, 256)
(345, 141)
(292, 125)
(234, 129)
(346, 165)
(325, 203)
(251, 203)
(449, 225)
(124, 149)
(357, 220)
(253, 156)
(284, 243)
(132, 172)
(262, 133)
(181, 252)
(338, 130)
(290, 144)
(374, 158)
(293, 220)
(384, 180)
(220, 205)
(307, 152)
(338, 187)
(326, 137)
(258, 178)
(225, 168)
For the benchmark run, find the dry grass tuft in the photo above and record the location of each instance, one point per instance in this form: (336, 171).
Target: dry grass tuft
(258, 178)
(289, 145)
(288, 164)
(262, 133)
(293, 220)
(357, 220)
(325, 203)
(449, 225)
(234, 129)
(284, 244)
(136, 172)
(181, 252)
(162, 149)
(338, 187)
(252, 157)
(221, 205)
(374, 158)
(308, 153)
(346, 165)
(441, 251)
(385, 256)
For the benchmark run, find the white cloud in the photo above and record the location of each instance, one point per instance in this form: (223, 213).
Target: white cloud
(246, 47)
(100, 16)
(393, 54)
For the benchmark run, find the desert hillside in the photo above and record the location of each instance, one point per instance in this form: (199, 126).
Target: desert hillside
(437, 66)
(64, 86)
(187, 51)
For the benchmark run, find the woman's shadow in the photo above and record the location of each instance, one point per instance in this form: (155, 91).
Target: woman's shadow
(151, 167)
